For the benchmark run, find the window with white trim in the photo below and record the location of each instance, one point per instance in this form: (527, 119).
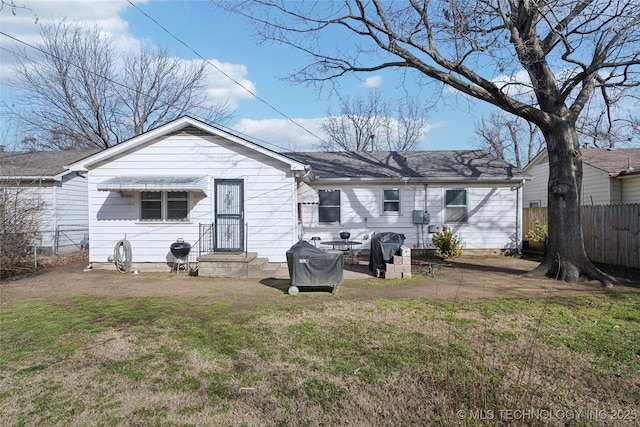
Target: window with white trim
(329, 206)
(164, 206)
(391, 200)
(455, 206)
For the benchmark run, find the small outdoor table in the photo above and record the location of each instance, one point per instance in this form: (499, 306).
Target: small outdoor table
(348, 244)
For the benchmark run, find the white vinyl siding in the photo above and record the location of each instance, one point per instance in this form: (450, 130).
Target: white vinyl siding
(492, 211)
(269, 198)
(598, 188)
(535, 190)
(72, 211)
(630, 189)
(42, 193)
(71, 201)
(65, 209)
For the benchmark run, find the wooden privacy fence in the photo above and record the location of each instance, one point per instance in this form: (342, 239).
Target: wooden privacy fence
(611, 232)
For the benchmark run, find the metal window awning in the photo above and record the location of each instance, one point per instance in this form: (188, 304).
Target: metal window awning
(190, 183)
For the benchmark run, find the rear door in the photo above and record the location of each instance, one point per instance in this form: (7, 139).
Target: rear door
(229, 215)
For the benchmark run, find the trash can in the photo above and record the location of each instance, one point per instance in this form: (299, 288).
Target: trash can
(310, 266)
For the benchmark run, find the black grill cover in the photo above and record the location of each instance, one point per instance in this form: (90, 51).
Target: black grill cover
(383, 247)
(310, 266)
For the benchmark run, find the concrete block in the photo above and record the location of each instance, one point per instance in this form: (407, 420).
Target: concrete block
(392, 275)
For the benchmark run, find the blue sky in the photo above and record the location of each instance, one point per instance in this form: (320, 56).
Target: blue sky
(227, 41)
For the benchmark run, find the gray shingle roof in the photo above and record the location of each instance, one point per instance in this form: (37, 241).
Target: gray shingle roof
(463, 164)
(38, 163)
(612, 161)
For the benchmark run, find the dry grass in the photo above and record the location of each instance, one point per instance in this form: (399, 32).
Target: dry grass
(143, 361)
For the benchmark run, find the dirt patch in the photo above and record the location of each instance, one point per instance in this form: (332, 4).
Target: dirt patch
(465, 277)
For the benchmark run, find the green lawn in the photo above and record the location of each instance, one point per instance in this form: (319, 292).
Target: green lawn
(173, 362)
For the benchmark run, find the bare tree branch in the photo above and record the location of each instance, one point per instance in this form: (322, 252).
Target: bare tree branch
(372, 124)
(74, 95)
(568, 49)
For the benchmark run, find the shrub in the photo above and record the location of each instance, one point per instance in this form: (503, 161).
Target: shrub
(448, 244)
(538, 233)
(21, 213)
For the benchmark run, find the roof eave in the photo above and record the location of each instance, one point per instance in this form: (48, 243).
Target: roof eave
(624, 174)
(28, 178)
(424, 180)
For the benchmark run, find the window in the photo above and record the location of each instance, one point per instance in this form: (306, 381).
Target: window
(534, 204)
(177, 205)
(455, 206)
(159, 206)
(151, 206)
(391, 200)
(329, 206)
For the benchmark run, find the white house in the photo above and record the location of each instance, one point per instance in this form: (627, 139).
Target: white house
(609, 177)
(186, 178)
(164, 184)
(412, 193)
(64, 223)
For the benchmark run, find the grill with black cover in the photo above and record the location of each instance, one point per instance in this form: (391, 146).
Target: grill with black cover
(310, 266)
(383, 247)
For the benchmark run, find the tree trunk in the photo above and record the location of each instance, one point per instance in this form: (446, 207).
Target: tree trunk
(566, 258)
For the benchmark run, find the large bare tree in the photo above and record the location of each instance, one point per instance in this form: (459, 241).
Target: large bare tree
(510, 137)
(373, 123)
(77, 92)
(566, 50)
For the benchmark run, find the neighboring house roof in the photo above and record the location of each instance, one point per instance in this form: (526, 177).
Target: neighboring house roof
(621, 161)
(184, 124)
(616, 162)
(38, 164)
(409, 165)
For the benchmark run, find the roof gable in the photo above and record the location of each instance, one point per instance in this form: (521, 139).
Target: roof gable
(183, 124)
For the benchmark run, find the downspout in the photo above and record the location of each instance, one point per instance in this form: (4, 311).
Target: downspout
(518, 221)
(55, 241)
(212, 199)
(426, 209)
(297, 209)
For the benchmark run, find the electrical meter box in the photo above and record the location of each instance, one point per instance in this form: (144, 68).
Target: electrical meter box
(421, 217)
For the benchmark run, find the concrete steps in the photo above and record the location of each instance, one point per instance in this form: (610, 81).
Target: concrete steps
(240, 265)
(261, 268)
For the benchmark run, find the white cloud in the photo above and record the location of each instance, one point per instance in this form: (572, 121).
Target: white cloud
(24, 26)
(437, 125)
(373, 81)
(282, 134)
(222, 87)
(517, 85)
